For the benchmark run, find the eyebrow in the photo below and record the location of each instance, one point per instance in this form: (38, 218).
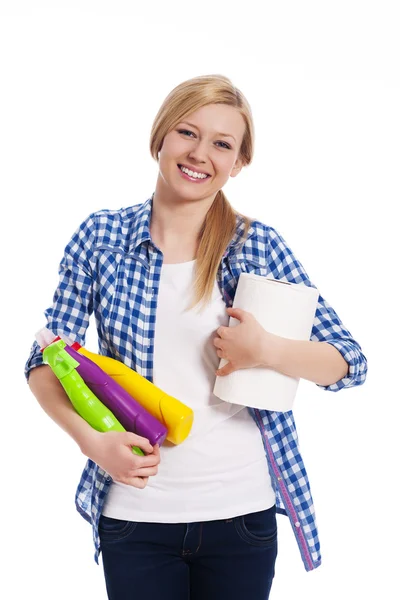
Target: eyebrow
(221, 134)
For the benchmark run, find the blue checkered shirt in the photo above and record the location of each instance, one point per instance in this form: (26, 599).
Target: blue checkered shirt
(111, 268)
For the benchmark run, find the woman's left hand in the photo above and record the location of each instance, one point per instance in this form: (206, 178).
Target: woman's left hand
(243, 346)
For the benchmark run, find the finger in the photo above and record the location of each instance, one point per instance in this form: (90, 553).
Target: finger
(139, 482)
(237, 313)
(226, 370)
(144, 472)
(132, 439)
(224, 332)
(156, 450)
(218, 342)
(150, 460)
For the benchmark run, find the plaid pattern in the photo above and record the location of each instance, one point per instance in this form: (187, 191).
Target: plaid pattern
(111, 268)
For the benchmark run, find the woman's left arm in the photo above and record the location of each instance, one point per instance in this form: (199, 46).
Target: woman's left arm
(332, 358)
(331, 345)
(333, 362)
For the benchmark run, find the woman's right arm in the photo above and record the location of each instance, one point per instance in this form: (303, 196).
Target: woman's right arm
(111, 450)
(69, 316)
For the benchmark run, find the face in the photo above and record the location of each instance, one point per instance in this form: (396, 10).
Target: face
(206, 146)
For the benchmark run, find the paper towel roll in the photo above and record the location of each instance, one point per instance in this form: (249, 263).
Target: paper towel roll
(282, 308)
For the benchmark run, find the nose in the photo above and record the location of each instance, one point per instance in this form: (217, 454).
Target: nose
(198, 152)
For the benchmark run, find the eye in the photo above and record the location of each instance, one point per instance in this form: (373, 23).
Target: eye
(224, 145)
(188, 132)
(184, 131)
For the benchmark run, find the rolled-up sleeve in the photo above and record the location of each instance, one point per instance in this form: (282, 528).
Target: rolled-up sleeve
(327, 326)
(73, 299)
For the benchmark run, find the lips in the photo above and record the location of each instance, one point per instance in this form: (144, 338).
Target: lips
(193, 169)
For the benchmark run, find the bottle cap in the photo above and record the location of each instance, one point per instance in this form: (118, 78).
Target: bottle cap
(45, 337)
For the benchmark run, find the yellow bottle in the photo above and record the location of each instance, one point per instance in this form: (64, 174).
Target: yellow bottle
(176, 416)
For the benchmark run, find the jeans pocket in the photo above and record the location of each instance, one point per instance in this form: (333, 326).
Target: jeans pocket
(258, 528)
(114, 530)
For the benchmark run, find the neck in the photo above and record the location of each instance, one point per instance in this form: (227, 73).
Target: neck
(176, 222)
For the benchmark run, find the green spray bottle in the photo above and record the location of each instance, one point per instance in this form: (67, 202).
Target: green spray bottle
(86, 404)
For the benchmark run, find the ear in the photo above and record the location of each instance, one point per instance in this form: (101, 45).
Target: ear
(237, 168)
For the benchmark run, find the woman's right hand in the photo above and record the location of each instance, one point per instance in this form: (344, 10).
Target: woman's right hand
(112, 451)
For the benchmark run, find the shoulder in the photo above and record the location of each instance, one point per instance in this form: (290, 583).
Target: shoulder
(115, 217)
(114, 227)
(260, 236)
(266, 245)
(264, 232)
(266, 248)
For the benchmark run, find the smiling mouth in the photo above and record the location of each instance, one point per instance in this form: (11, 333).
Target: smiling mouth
(194, 175)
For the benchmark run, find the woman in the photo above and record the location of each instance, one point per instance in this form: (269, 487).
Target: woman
(196, 520)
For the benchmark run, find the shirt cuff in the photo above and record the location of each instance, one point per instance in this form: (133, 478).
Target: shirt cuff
(36, 357)
(357, 364)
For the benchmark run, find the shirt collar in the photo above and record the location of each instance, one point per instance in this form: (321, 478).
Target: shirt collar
(140, 232)
(237, 241)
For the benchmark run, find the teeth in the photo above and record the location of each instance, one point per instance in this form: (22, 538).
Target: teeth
(193, 173)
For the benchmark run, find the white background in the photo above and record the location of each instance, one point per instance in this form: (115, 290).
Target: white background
(80, 85)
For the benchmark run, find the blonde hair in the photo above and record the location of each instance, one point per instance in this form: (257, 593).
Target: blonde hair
(220, 222)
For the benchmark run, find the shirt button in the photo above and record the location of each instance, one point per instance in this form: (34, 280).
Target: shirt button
(297, 524)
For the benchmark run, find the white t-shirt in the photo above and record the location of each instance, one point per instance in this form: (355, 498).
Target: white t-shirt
(220, 470)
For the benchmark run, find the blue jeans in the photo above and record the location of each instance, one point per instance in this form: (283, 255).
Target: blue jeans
(228, 559)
